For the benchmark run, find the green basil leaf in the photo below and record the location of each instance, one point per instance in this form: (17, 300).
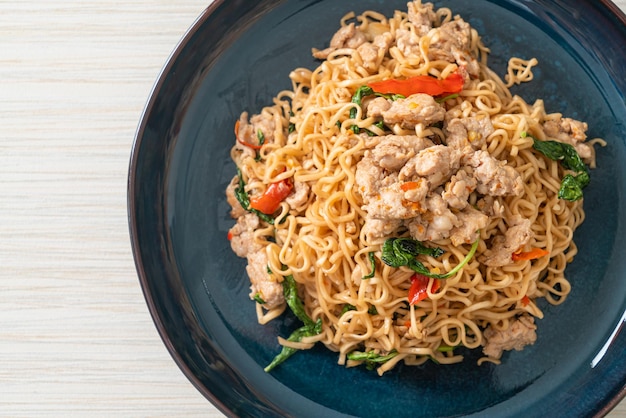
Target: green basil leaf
(287, 352)
(571, 186)
(260, 136)
(371, 356)
(357, 98)
(399, 252)
(446, 98)
(347, 307)
(292, 126)
(372, 266)
(551, 149)
(290, 291)
(415, 247)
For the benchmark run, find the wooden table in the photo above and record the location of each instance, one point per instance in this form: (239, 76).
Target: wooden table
(76, 338)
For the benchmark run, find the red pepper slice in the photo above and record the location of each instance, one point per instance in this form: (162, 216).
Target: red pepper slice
(419, 288)
(270, 200)
(420, 84)
(241, 141)
(525, 301)
(529, 255)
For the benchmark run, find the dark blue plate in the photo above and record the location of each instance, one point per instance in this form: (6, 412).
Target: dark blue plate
(236, 57)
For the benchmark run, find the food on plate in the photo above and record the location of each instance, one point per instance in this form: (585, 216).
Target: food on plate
(401, 202)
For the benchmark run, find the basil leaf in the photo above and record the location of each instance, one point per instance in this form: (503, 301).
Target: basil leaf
(371, 358)
(296, 336)
(551, 149)
(240, 192)
(292, 126)
(583, 178)
(310, 327)
(393, 97)
(357, 98)
(571, 159)
(372, 266)
(415, 247)
(399, 252)
(392, 257)
(260, 136)
(446, 98)
(559, 151)
(290, 291)
(571, 186)
(446, 348)
(347, 307)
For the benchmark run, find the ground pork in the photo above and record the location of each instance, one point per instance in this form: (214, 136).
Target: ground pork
(439, 222)
(369, 55)
(469, 221)
(377, 178)
(388, 202)
(494, 177)
(261, 124)
(520, 333)
(383, 41)
(503, 246)
(262, 283)
(378, 228)
(470, 131)
(393, 151)
(408, 181)
(436, 222)
(299, 196)
(491, 206)
(372, 53)
(242, 235)
(451, 42)
(415, 109)
(571, 132)
(376, 106)
(348, 36)
(436, 164)
(421, 16)
(407, 43)
(236, 210)
(458, 189)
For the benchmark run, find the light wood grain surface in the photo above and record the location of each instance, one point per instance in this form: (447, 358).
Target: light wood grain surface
(76, 338)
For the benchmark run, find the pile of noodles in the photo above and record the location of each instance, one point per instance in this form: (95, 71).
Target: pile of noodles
(321, 245)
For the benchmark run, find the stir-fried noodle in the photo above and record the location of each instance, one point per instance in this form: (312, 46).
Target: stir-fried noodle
(346, 194)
